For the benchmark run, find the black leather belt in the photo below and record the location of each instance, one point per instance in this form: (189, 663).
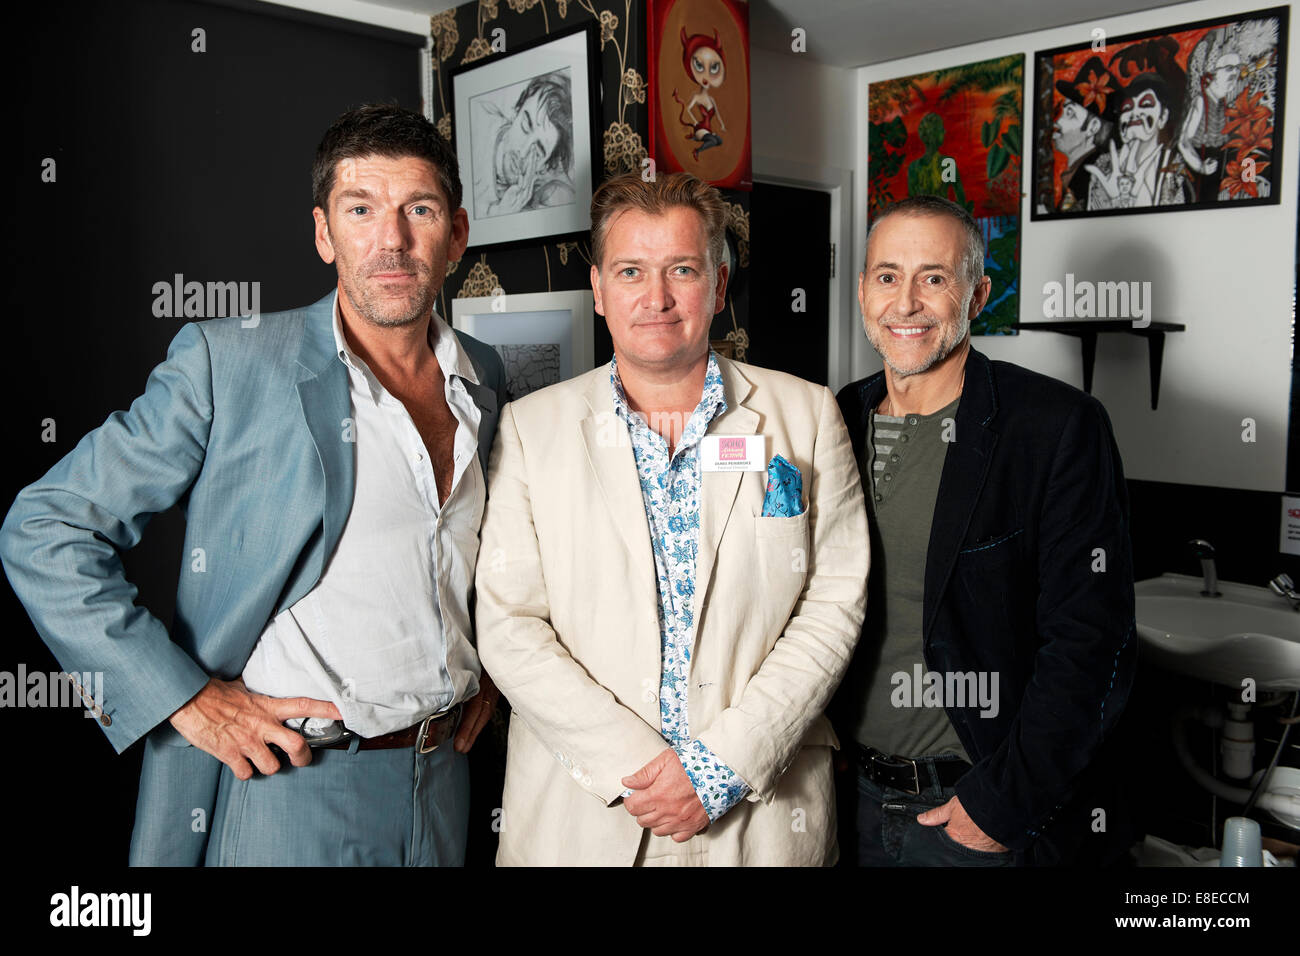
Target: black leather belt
(904, 773)
(425, 737)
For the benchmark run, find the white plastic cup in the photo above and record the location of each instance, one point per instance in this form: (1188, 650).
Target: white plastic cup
(1241, 843)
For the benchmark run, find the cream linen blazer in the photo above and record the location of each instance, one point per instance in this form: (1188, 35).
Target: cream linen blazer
(568, 627)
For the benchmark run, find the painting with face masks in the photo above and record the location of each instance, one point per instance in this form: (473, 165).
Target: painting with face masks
(957, 133)
(523, 126)
(698, 52)
(1181, 118)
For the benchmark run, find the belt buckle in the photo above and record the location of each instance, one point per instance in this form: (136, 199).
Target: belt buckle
(916, 776)
(423, 735)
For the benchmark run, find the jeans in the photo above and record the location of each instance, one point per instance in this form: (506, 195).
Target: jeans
(888, 834)
(346, 808)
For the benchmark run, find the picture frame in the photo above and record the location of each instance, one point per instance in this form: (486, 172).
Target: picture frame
(542, 337)
(524, 127)
(1167, 120)
(698, 91)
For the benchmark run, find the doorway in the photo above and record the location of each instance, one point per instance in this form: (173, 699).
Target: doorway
(790, 265)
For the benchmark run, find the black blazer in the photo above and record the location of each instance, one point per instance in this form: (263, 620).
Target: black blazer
(1031, 506)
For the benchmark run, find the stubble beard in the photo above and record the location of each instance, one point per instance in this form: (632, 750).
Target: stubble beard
(957, 333)
(383, 311)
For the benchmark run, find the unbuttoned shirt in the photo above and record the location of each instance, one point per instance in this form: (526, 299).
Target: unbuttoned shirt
(386, 632)
(670, 491)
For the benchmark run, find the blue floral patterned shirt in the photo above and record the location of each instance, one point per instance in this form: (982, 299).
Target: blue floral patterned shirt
(670, 490)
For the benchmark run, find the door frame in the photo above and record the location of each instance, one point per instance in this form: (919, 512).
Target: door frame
(843, 321)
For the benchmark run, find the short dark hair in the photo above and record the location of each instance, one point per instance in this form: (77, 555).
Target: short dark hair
(972, 264)
(382, 129)
(557, 102)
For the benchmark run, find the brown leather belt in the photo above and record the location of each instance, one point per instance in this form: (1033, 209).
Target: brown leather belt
(425, 737)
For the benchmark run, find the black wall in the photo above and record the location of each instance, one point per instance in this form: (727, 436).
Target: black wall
(167, 161)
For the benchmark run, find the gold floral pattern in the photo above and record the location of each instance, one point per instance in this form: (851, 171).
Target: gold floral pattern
(442, 28)
(488, 10)
(740, 338)
(444, 126)
(624, 150)
(480, 281)
(519, 6)
(738, 223)
(565, 248)
(634, 85)
(608, 24)
(477, 49)
(563, 7)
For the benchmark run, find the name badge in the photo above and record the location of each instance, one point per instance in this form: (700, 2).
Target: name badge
(733, 453)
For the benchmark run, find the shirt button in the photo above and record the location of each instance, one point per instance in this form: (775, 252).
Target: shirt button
(879, 498)
(911, 419)
(419, 457)
(889, 477)
(902, 438)
(893, 458)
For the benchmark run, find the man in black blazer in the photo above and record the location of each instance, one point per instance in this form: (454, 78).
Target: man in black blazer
(999, 647)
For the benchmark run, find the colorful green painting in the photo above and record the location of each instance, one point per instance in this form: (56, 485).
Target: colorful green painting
(957, 133)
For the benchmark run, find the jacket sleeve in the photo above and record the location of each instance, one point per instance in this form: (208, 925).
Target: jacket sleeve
(594, 736)
(1086, 658)
(62, 543)
(760, 736)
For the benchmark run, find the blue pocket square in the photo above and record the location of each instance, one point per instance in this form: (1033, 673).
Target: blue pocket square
(784, 497)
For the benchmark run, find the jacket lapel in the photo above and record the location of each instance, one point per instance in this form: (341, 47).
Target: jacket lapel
(323, 394)
(961, 482)
(609, 450)
(718, 488)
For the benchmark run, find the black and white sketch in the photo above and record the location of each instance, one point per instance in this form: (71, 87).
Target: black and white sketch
(523, 124)
(522, 145)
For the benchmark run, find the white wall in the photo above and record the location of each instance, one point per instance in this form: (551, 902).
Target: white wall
(1227, 274)
(805, 134)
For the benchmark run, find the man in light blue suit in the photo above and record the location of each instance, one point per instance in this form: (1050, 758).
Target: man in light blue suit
(329, 462)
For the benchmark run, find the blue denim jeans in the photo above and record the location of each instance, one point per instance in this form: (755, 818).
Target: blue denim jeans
(888, 834)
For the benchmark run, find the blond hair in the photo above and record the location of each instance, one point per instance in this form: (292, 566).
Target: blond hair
(655, 197)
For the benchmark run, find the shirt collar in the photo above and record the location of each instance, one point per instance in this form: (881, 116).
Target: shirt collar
(713, 401)
(452, 357)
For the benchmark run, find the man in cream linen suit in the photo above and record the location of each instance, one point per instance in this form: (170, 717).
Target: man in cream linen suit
(667, 646)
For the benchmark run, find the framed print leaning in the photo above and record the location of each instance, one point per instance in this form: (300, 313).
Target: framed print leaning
(524, 126)
(543, 338)
(1187, 117)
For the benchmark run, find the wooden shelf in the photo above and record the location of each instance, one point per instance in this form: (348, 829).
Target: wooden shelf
(1087, 331)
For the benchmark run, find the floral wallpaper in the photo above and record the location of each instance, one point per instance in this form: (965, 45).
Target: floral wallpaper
(463, 35)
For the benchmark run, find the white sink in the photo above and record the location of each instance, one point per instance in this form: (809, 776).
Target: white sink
(1249, 632)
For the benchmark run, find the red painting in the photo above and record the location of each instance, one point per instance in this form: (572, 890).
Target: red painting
(698, 54)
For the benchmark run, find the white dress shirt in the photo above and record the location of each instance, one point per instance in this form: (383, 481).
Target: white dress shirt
(385, 633)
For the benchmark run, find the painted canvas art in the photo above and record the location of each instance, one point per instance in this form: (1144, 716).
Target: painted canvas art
(1167, 120)
(957, 133)
(699, 89)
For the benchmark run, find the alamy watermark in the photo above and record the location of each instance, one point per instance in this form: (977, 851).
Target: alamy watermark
(179, 299)
(55, 689)
(923, 688)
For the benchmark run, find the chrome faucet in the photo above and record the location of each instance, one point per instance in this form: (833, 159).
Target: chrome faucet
(1283, 585)
(1205, 551)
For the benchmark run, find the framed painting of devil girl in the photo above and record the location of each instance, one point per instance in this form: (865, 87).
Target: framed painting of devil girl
(698, 61)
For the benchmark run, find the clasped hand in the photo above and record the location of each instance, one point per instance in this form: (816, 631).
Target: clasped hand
(664, 801)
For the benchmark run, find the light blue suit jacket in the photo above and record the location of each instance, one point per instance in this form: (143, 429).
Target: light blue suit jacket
(243, 427)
